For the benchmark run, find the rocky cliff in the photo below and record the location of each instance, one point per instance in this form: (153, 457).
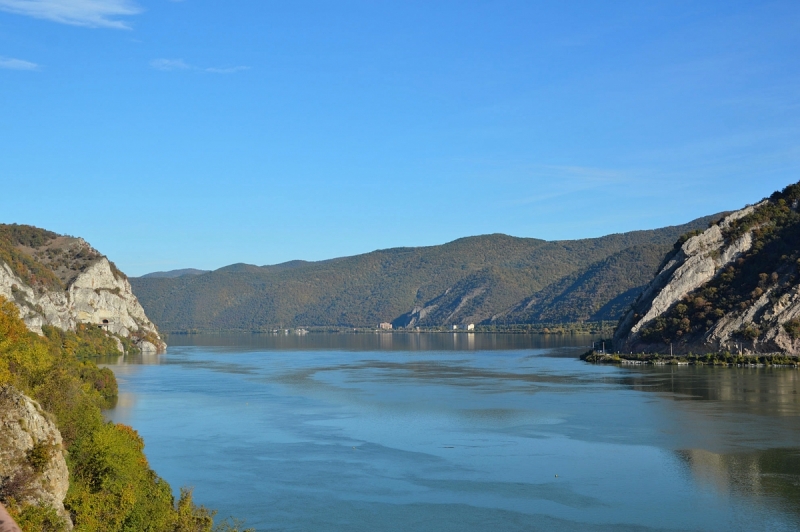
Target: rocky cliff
(62, 281)
(32, 465)
(733, 287)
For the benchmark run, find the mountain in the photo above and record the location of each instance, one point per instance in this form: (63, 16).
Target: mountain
(176, 273)
(733, 287)
(489, 279)
(61, 281)
(601, 291)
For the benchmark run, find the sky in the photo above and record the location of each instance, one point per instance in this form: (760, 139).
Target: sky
(173, 134)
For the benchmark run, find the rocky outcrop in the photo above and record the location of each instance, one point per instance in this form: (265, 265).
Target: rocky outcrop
(97, 294)
(32, 465)
(697, 261)
(453, 307)
(769, 318)
(676, 303)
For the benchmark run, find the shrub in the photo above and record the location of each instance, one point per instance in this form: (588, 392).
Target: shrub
(792, 328)
(112, 488)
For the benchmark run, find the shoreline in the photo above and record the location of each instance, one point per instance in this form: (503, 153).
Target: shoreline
(710, 359)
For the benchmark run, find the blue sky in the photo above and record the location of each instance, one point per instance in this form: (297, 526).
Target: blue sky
(198, 134)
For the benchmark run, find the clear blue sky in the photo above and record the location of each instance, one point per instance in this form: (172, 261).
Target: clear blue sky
(196, 133)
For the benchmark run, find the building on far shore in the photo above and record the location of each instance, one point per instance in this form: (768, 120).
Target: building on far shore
(385, 326)
(471, 327)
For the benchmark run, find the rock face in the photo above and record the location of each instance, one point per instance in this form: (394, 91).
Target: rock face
(676, 303)
(96, 294)
(32, 465)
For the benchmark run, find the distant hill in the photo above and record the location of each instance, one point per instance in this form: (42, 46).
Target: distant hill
(733, 287)
(176, 273)
(483, 279)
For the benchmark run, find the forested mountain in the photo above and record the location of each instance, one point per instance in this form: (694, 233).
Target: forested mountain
(483, 279)
(177, 273)
(602, 291)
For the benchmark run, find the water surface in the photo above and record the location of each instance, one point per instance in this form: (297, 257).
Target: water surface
(439, 432)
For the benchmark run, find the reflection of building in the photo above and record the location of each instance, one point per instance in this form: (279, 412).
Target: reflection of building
(385, 341)
(385, 326)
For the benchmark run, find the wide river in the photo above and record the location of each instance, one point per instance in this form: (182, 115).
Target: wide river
(463, 432)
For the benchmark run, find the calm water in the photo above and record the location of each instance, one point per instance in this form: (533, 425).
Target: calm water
(462, 432)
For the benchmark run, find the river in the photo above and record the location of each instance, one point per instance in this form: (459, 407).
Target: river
(463, 432)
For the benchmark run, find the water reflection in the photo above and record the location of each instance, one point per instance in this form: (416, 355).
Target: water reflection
(138, 359)
(383, 341)
(772, 475)
(444, 432)
(766, 391)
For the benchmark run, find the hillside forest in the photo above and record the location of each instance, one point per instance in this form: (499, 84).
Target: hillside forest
(485, 280)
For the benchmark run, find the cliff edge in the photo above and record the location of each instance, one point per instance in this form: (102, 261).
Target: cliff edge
(733, 287)
(62, 281)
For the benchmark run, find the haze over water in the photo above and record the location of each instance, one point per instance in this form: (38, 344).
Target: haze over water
(463, 432)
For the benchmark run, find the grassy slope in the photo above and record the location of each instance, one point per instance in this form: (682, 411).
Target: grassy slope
(380, 286)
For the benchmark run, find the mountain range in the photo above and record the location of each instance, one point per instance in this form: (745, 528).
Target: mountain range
(491, 280)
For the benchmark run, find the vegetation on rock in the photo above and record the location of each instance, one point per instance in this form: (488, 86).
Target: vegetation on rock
(771, 266)
(33, 272)
(112, 487)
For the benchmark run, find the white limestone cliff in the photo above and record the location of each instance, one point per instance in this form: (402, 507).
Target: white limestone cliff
(699, 260)
(97, 296)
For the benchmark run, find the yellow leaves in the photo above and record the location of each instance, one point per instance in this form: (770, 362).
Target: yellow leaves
(132, 435)
(190, 518)
(12, 328)
(24, 358)
(112, 488)
(114, 485)
(37, 517)
(98, 511)
(5, 374)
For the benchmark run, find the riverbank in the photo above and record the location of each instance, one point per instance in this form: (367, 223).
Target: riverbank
(711, 359)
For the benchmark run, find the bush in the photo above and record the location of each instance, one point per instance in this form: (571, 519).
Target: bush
(792, 327)
(112, 488)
